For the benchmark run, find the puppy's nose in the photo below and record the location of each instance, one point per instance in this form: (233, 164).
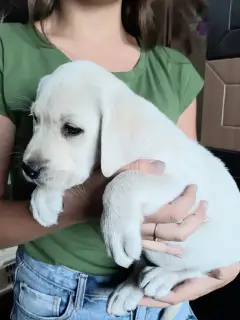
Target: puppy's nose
(32, 169)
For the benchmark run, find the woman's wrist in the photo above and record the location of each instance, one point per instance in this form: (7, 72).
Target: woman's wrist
(84, 203)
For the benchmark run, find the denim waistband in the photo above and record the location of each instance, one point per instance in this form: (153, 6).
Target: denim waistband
(78, 290)
(69, 279)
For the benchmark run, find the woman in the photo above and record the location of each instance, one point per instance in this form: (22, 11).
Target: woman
(63, 272)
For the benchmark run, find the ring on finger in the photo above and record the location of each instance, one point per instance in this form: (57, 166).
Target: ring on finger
(155, 232)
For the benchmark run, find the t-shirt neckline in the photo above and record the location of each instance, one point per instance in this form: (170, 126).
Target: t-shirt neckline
(135, 71)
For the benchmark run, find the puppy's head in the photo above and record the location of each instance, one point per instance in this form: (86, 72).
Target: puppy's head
(79, 108)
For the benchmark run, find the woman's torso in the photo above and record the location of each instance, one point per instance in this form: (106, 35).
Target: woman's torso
(161, 76)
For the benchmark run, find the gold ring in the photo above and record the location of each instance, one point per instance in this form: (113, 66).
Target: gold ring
(155, 232)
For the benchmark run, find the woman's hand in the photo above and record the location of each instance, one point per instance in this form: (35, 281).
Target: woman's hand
(165, 224)
(168, 217)
(169, 228)
(196, 288)
(87, 198)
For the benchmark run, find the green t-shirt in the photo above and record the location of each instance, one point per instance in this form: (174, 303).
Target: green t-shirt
(163, 76)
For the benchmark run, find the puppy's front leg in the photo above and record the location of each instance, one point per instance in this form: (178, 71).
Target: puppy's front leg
(46, 205)
(127, 295)
(125, 298)
(126, 200)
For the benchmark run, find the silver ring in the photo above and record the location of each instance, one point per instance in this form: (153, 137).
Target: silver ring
(155, 232)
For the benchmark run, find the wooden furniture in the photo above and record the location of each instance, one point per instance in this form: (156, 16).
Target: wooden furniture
(221, 106)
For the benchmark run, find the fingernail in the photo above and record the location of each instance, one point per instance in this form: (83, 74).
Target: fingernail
(180, 252)
(191, 187)
(203, 205)
(194, 186)
(158, 165)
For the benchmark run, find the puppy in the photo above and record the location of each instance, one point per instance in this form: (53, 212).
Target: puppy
(79, 105)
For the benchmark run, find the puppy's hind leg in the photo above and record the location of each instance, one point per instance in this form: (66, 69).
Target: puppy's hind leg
(157, 282)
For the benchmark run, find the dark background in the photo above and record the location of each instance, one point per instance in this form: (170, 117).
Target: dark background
(223, 42)
(224, 33)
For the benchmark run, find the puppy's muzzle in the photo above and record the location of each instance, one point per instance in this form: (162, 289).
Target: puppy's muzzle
(33, 169)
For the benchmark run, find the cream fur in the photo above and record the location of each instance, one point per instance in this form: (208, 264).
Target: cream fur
(88, 97)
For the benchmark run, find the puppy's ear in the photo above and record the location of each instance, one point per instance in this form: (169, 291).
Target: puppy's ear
(127, 132)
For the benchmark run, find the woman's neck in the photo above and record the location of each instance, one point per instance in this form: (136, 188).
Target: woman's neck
(85, 30)
(80, 19)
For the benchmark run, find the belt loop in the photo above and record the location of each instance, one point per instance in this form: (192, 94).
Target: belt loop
(81, 288)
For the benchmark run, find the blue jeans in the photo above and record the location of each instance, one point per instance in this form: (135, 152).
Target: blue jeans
(47, 292)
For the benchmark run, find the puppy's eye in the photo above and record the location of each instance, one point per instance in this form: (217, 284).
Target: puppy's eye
(69, 130)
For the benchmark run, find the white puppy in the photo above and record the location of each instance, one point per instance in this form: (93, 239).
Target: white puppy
(80, 106)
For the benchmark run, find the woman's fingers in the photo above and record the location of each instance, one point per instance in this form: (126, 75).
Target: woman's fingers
(161, 246)
(173, 231)
(191, 290)
(177, 210)
(188, 290)
(147, 166)
(149, 302)
(194, 288)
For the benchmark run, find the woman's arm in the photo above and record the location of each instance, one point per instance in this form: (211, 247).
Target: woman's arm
(16, 223)
(187, 121)
(194, 288)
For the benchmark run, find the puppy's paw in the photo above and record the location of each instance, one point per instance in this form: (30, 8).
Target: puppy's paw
(157, 282)
(46, 205)
(124, 299)
(122, 238)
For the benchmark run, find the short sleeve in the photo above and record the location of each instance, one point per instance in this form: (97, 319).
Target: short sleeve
(190, 84)
(3, 111)
(3, 108)
(185, 78)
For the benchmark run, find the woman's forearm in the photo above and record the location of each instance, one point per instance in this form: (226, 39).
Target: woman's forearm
(17, 225)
